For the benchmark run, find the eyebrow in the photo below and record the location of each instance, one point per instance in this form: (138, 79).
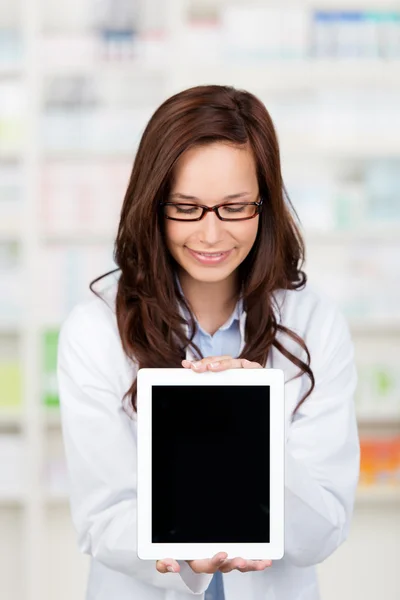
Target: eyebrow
(229, 197)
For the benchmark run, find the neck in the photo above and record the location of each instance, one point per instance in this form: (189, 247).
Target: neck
(212, 303)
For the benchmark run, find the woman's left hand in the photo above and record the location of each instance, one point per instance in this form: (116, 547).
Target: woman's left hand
(219, 363)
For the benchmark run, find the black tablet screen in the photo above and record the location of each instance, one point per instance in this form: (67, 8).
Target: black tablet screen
(210, 464)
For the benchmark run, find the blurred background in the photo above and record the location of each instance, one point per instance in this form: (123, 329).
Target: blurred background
(78, 82)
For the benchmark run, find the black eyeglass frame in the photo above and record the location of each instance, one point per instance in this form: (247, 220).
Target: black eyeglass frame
(213, 209)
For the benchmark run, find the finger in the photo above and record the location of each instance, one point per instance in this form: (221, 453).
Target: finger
(256, 565)
(167, 565)
(218, 559)
(234, 363)
(200, 366)
(189, 363)
(234, 563)
(248, 364)
(208, 565)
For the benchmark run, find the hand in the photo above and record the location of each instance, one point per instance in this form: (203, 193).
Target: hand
(218, 562)
(219, 363)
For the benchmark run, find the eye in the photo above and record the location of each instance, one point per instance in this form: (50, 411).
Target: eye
(234, 208)
(185, 209)
(180, 208)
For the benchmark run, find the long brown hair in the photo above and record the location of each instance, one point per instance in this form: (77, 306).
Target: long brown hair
(148, 317)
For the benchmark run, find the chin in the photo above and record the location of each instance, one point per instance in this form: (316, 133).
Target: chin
(208, 274)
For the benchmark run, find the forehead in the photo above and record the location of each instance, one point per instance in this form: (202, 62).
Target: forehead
(214, 171)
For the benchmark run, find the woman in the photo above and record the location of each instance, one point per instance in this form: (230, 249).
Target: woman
(209, 259)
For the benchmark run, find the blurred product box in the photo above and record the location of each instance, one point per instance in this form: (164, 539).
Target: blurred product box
(12, 118)
(10, 373)
(12, 465)
(361, 277)
(11, 284)
(57, 483)
(378, 389)
(97, 132)
(55, 473)
(10, 197)
(67, 270)
(82, 198)
(11, 48)
(50, 386)
(252, 33)
(380, 461)
(355, 34)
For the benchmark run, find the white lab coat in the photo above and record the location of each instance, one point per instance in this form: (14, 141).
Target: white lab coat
(321, 464)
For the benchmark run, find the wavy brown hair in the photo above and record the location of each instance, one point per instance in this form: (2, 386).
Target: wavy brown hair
(148, 317)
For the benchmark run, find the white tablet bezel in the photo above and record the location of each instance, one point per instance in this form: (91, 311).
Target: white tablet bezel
(184, 551)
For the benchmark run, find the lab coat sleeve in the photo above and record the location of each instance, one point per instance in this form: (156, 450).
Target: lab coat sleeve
(322, 448)
(101, 454)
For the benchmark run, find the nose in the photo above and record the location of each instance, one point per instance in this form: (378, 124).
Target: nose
(211, 229)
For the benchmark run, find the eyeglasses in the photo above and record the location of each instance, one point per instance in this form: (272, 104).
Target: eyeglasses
(235, 211)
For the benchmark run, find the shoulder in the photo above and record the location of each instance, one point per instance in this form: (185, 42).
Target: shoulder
(313, 315)
(91, 328)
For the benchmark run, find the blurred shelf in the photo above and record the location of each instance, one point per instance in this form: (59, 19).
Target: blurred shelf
(102, 68)
(68, 156)
(292, 74)
(77, 238)
(10, 328)
(375, 326)
(11, 419)
(11, 71)
(363, 234)
(10, 231)
(374, 417)
(11, 157)
(52, 417)
(387, 495)
(56, 498)
(12, 500)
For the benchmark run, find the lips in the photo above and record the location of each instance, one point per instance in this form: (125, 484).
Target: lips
(209, 257)
(209, 253)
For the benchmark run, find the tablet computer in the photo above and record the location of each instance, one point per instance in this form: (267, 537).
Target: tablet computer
(210, 463)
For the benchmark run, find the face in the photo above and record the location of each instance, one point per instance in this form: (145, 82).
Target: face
(209, 175)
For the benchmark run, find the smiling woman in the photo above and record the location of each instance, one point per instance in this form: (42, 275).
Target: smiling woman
(210, 264)
(208, 156)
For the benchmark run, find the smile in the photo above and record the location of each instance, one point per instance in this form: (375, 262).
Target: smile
(209, 257)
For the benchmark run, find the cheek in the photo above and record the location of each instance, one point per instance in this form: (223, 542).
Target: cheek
(175, 235)
(247, 236)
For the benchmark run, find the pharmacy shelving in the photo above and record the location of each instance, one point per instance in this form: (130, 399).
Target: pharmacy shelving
(378, 495)
(275, 74)
(11, 419)
(282, 77)
(290, 74)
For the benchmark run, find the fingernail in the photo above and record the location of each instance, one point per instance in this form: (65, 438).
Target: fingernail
(214, 364)
(197, 365)
(170, 569)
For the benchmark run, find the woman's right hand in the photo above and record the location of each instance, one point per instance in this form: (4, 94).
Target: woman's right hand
(211, 565)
